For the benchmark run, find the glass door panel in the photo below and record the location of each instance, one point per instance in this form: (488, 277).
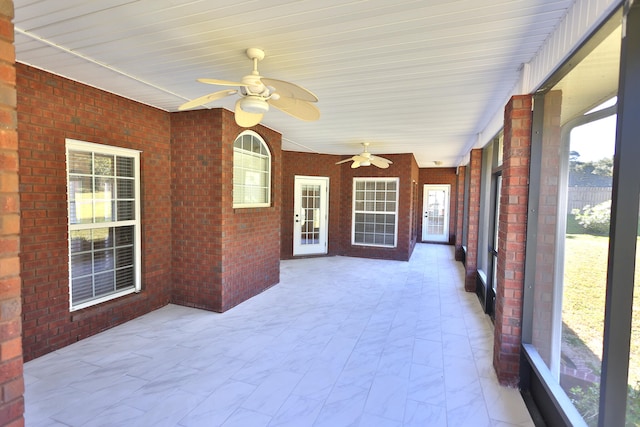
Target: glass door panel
(435, 225)
(310, 215)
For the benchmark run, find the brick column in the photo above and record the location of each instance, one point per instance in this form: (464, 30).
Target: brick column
(471, 263)
(221, 256)
(11, 378)
(512, 239)
(459, 211)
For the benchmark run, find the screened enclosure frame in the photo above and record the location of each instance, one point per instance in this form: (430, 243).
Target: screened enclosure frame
(535, 378)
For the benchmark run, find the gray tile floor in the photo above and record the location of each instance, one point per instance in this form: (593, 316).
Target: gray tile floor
(339, 342)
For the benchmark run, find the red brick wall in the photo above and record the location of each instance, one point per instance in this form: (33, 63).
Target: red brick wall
(512, 239)
(251, 237)
(222, 256)
(50, 109)
(196, 219)
(439, 176)
(340, 202)
(471, 263)
(405, 167)
(310, 164)
(11, 379)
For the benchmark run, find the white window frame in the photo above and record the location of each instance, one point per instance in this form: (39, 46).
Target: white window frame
(267, 171)
(89, 147)
(354, 211)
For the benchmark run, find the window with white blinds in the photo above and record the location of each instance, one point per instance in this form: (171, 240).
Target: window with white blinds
(375, 211)
(103, 185)
(251, 171)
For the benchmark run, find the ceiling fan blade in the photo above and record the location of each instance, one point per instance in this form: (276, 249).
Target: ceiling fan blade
(355, 164)
(290, 90)
(244, 119)
(206, 99)
(381, 159)
(221, 82)
(297, 108)
(379, 162)
(344, 161)
(360, 158)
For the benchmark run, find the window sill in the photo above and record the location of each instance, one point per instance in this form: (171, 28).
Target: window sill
(115, 303)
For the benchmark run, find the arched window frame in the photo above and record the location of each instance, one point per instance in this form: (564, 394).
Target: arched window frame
(251, 171)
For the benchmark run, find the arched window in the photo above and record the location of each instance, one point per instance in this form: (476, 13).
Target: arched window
(251, 171)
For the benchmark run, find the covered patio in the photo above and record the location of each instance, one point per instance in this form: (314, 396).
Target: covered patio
(340, 341)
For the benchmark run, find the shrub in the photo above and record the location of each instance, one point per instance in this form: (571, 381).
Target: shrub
(595, 219)
(587, 402)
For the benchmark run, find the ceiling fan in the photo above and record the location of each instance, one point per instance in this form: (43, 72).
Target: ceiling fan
(365, 159)
(257, 93)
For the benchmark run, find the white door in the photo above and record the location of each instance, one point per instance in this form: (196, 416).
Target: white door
(310, 206)
(435, 220)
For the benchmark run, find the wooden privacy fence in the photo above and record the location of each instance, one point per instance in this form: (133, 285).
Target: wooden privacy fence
(579, 197)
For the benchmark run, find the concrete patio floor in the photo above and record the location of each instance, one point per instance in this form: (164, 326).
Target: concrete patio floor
(338, 342)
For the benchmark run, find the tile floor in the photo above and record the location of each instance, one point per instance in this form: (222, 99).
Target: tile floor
(339, 342)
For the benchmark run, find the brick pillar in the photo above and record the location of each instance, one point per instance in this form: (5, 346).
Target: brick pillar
(11, 378)
(512, 239)
(471, 264)
(459, 211)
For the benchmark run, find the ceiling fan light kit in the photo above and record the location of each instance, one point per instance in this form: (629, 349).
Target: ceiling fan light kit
(254, 105)
(257, 93)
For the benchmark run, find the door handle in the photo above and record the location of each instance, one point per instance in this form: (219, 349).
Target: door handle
(300, 217)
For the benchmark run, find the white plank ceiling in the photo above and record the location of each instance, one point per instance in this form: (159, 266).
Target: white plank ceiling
(407, 76)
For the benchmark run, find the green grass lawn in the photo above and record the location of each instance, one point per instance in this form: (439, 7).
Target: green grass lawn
(584, 295)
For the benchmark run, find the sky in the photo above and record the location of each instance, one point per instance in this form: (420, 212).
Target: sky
(594, 140)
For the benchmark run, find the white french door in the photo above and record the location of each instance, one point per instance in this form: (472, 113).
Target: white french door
(435, 220)
(311, 198)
